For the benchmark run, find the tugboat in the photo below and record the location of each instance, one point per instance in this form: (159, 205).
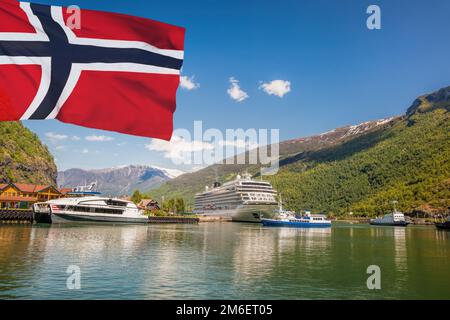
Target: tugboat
(443, 225)
(396, 219)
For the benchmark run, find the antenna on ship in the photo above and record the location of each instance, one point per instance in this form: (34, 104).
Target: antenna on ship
(394, 203)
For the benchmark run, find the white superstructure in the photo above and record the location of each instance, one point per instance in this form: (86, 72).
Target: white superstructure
(242, 199)
(88, 209)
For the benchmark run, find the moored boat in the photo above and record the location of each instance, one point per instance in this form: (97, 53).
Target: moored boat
(308, 220)
(394, 219)
(88, 209)
(443, 225)
(243, 199)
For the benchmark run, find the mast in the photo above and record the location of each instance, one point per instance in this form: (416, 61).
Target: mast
(394, 203)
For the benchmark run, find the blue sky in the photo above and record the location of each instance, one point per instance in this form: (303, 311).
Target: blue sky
(339, 71)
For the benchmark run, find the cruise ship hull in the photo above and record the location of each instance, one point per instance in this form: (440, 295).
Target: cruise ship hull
(245, 213)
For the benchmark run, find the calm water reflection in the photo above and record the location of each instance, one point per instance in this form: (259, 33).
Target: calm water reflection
(228, 260)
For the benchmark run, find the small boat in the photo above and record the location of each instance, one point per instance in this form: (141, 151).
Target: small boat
(395, 219)
(288, 219)
(443, 225)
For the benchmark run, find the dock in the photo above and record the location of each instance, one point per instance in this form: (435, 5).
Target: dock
(214, 219)
(8, 216)
(16, 216)
(168, 219)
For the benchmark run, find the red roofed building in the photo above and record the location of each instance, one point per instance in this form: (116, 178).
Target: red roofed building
(23, 195)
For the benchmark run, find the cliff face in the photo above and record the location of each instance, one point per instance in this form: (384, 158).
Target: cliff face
(23, 158)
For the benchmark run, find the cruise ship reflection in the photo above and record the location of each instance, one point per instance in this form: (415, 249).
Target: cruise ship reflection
(262, 251)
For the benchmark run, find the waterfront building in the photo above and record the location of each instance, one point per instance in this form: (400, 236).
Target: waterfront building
(23, 195)
(148, 204)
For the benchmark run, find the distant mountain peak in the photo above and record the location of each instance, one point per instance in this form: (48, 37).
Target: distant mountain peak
(119, 180)
(432, 101)
(342, 133)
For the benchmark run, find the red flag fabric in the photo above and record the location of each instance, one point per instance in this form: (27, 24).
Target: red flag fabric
(110, 71)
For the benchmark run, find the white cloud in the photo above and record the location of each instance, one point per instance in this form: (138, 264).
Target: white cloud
(276, 87)
(85, 150)
(56, 137)
(61, 147)
(235, 91)
(177, 147)
(75, 138)
(188, 83)
(98, 138)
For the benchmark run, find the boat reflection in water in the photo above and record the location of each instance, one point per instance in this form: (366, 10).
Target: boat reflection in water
(222, 261)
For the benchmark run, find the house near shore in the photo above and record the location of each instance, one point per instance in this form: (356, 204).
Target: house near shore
(148, 204)
(23, 195)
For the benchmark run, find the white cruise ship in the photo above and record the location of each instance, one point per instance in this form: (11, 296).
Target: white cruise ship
(243, 199)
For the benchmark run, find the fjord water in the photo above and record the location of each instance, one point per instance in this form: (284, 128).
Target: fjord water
(223, 261)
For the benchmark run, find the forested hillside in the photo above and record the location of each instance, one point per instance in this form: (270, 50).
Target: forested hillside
(404, 159)
(23, 158)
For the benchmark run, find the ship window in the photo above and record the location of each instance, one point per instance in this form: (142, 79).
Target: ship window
(95, 210)
(111, 202)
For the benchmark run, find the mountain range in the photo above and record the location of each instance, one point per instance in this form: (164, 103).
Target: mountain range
(122, 180)
(359, 168)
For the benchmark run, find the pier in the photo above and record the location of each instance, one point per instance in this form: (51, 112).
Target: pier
(16, 216)
(168, 219)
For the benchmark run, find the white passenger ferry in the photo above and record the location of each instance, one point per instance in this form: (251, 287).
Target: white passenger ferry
(395, 218)
(88, 209)
(242, 199)
(291, 219)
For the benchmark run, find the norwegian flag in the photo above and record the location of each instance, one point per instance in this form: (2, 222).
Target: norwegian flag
(116, 72)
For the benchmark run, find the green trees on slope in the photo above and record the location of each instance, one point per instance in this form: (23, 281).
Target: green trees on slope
(23, 158)
(409, 163)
